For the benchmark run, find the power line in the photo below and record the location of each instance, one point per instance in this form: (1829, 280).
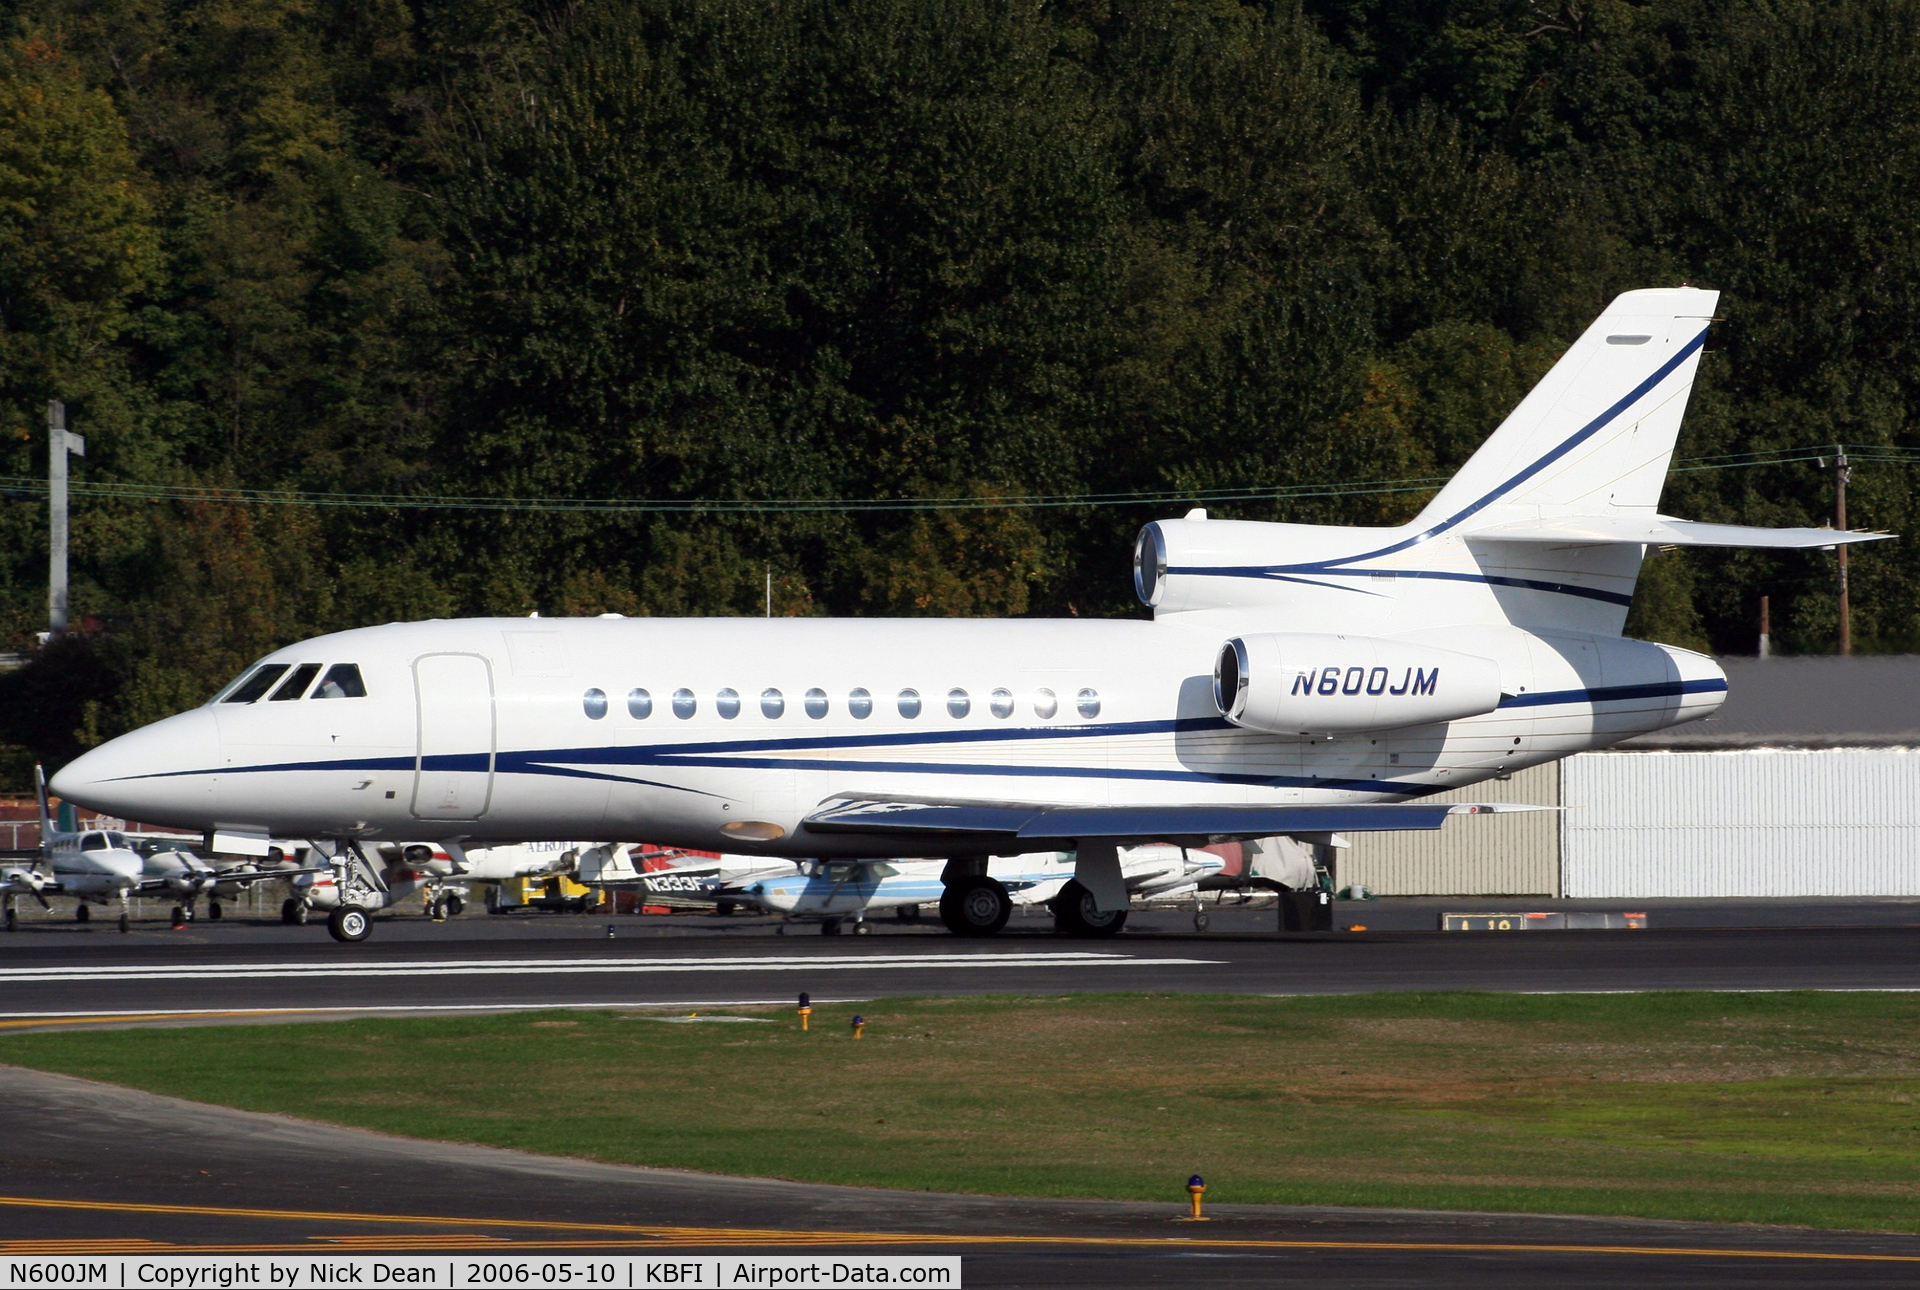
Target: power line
(19, 487)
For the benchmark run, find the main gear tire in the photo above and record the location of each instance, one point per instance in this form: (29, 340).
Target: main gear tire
(349, 924)
(81, 914)
(1076, 914)
(975, 906)
(214, 911)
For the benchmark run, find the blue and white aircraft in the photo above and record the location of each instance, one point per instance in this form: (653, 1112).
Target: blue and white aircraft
(1294, 679)
(842, 892)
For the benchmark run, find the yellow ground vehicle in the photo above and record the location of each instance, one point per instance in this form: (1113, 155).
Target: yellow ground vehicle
(555, 892)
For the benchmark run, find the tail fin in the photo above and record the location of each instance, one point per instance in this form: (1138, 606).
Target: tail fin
(1596, 435)
(40, 789)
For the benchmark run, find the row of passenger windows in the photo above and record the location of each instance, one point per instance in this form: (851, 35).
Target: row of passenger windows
(342, 681)
(859, 704)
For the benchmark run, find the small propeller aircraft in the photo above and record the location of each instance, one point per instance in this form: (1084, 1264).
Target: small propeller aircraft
(107, 866)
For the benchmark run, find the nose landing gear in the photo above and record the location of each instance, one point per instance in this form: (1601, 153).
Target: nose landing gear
(349, 923)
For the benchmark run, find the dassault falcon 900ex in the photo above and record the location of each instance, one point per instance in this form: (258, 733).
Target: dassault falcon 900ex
(1294, 679)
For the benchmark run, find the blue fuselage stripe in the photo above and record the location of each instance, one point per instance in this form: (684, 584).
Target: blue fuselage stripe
(759, 754)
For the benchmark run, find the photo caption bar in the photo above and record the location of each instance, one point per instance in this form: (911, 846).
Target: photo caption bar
(475, 1272)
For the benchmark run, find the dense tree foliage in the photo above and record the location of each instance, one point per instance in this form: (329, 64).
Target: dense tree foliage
(702, 255)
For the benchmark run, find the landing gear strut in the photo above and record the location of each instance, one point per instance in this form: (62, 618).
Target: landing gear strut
(126, 914)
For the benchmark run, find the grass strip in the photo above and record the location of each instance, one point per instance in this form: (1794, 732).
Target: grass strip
(1797, 1108)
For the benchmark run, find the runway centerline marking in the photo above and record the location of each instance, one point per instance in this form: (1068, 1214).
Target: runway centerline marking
(583, 967)
(673, 1237)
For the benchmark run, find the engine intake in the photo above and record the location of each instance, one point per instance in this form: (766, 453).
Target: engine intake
(1304, 683)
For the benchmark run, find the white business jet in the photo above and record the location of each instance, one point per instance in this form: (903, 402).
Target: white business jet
(1294, 679)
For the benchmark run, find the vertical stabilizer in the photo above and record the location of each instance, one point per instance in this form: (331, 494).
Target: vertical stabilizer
(46, 820)
(1596, 435)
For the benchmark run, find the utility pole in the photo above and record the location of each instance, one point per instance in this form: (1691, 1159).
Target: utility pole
(1842, 472)
(59, 443)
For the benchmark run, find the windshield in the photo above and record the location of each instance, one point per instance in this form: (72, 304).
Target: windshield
(257, 684)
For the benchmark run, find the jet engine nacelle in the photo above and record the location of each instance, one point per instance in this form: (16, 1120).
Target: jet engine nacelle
(1304, 683)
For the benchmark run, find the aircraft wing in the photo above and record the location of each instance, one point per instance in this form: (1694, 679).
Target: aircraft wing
(1031, 825)
(217, 877)
(1664, 530)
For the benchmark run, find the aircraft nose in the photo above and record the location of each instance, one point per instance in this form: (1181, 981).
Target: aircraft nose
(159, 774)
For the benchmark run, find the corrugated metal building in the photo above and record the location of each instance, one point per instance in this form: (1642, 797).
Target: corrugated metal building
(1806, 783)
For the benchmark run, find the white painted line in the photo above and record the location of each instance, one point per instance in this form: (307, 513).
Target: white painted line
(311, 966)
(579, 967)
(375, 1009)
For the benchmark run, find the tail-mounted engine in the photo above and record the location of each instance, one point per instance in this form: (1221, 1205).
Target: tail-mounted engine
(1302, 683)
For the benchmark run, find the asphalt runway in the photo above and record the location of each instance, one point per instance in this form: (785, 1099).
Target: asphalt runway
(60, 974)
(90, 1168)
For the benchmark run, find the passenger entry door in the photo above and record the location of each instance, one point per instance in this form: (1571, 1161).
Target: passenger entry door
(453, 771)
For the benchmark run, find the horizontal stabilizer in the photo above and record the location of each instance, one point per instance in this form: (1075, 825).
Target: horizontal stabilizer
(1664, 530)
(1031, 824)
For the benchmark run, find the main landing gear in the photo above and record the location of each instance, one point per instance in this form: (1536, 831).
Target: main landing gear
(294, 911)
(1076, 914)
(975, 905)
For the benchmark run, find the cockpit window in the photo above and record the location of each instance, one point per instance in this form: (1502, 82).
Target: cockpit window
(117, 841)
(256, 685)
(342, 681)
(296, 683)
(93, 842)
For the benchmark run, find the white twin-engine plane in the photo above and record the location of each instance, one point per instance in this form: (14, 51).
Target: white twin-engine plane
(1294, 679)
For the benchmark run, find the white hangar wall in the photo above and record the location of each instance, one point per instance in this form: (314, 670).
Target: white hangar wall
(1742, 822)
(1470, 855)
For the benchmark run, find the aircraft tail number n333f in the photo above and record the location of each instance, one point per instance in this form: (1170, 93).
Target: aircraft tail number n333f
(1294, 679)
